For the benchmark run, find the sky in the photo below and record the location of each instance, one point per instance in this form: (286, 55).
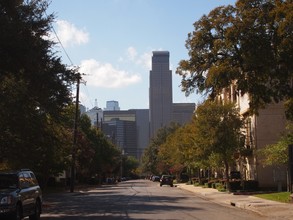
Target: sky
(111, 42)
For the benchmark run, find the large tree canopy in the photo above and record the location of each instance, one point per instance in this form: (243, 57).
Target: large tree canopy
(150, 161)
(250, 44)
(218, 129)
(34, 84)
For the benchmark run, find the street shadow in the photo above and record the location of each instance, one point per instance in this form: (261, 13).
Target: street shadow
(104, 203)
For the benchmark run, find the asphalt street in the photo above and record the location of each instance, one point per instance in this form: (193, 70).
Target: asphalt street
(139, 199)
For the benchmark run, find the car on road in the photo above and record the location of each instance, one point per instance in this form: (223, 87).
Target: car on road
(155, 178)
(166, 180)
(20, 195)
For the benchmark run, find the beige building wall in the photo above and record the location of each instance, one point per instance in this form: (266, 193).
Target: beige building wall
(260, 130)
(270, 123)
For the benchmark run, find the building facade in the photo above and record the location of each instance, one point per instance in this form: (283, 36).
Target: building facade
(260, 131)
(128, 130)
(162, 109)
(160, 92)
(96, 116)
(131, 130)
(182, 112)
(112, 106)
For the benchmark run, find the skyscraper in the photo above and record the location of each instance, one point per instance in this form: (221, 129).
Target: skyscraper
(112, 106)
(160, 92)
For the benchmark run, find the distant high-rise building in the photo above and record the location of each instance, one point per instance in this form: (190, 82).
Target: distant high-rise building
(160, 92)
(128, 130)
(162, 109)
(182, 112)
(96, 116)
(112, 106)
(131, 130)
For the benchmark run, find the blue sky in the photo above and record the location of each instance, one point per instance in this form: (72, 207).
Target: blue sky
(112, 43)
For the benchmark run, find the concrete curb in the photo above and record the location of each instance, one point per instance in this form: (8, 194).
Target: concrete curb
(270, 209)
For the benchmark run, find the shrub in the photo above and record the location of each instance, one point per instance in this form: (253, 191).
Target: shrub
(220, 187)
(249, 185)
(196, 184)
(235, 185)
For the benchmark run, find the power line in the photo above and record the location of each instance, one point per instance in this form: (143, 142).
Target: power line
(58, 39)
(67, 55)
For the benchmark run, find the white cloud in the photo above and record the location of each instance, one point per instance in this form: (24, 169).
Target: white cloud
(70, 35)
(105, 75)
(144, 60)
(84, 98)
(131, 53)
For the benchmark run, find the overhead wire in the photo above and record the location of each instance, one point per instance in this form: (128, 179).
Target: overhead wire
(63, 48)
(67, 55)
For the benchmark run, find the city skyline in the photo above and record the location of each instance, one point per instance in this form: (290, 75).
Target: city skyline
(112, 43)
(131, 130)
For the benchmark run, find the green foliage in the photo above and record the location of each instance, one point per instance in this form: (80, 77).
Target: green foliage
(219, 134)
(250, 44)
(150, 161)
(210, 140)
(95, 154)
(36, 109)
(219, 127)
(130, 165)
(33, 90)
(277, 154)
(289, 109)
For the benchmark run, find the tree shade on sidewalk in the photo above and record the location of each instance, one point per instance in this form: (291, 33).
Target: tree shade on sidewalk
(268, 208)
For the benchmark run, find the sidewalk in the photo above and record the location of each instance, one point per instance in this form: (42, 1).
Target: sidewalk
(270, 209)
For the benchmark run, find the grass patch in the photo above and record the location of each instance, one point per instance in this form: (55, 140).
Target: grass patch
(279, 197)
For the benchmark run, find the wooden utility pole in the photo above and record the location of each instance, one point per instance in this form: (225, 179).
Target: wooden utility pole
(72, 174)
(290, 167)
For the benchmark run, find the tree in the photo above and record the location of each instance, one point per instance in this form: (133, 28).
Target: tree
(150, 161)
(129, 166)
(34, 88)
(177, 153)
(96, 155)
(277, 154)
(219, 132)
(249, 44)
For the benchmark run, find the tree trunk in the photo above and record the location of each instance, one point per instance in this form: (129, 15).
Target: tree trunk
(227, 175)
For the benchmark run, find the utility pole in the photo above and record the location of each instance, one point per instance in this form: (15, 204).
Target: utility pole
(290, 169)
(72, 174)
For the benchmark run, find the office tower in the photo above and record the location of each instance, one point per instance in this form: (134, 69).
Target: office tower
(160, 92)
(112, 106)
(128, 130)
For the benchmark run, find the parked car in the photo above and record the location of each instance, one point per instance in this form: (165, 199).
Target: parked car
(166, 180)
(155, 178)
(20, 195)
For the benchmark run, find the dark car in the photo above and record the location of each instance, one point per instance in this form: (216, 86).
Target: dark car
(20, 195)
(166, 180)
(155, 178)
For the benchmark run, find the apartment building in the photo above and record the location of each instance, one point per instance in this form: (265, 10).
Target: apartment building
(261, 130)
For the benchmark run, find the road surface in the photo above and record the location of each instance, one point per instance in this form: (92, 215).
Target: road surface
(138, 199)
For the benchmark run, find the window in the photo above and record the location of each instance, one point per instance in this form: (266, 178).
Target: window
(22, 181)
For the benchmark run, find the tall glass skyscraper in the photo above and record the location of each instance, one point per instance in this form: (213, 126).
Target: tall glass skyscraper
(160, 93)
